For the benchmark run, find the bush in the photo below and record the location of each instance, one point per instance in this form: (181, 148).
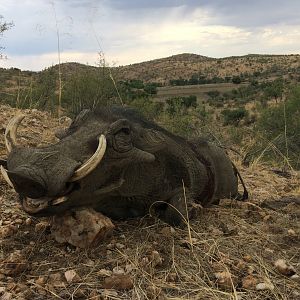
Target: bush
(89, 89)
(284, 118)
(177, 104)
(236, 79)
(148, 108)
(233, 117)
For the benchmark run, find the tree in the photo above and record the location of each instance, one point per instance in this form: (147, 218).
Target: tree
(236, 79)
(4, 26)
(275, 90)
(233, 117)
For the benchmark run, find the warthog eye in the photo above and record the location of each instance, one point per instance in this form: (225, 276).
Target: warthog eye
(122, 140)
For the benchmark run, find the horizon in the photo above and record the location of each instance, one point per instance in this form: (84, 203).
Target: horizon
(139, 31)
(150, 60)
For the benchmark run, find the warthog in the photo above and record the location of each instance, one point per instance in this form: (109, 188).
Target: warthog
(122, 165)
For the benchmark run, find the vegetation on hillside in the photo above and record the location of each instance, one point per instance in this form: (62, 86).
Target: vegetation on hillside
(262, 117)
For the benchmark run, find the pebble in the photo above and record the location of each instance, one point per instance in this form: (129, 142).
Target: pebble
(283, 268)
(292, 233)
(28, 221)
(104, 273)
(118, 282)
(265, 286)
(249, 282)
(120, 246)
(72, 276)
(118, 271)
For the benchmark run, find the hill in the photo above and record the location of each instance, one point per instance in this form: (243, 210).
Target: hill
(182, 66)
(188, 65)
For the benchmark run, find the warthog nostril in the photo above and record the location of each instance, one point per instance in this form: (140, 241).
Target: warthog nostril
(27, 184)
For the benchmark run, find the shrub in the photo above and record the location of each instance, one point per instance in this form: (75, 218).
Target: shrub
(236, 79)
(281, 125)
(234, 116)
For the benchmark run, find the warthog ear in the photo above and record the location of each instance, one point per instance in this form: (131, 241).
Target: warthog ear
(61, 133)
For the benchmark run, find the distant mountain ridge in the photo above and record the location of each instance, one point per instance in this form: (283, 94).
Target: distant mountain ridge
(187, 65)
(183, 66)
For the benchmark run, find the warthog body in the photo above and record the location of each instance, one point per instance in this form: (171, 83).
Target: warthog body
(142, 168)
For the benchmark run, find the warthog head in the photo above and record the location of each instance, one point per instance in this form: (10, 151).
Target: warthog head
(90, 156)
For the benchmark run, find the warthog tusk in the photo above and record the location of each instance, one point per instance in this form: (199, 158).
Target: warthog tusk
(92, 162)
(5, 176)
(10, 135)
(59, 200)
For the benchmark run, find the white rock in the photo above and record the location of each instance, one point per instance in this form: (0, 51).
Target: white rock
(265, 286)
(71, 276)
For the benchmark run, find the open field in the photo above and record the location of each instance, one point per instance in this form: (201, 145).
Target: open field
(198, 90)
(229, 251)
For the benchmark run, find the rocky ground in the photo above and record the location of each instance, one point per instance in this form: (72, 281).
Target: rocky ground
(237, 250)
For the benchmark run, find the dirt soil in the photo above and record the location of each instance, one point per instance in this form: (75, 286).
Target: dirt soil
(237, 250)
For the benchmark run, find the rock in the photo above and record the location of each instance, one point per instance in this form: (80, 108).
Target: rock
(172, 277)
(118, 271)
(250, 270)
(118, 282)
(41, 226)
(249, 282)
(109, 294)
(28, 221)
(265, 286)
(72, 276)
(82, 228)
(225, 280)
(104, 273)
(247, 258)
(167, 231)
(14, 264)
(56, 280)
(155, 259)
(292, 233)
(120, 246)
(283, 268)
(18, 221)
(295, 277)
(7, 231)
(41, 280)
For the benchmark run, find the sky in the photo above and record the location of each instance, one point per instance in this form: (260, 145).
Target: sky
(131, 31)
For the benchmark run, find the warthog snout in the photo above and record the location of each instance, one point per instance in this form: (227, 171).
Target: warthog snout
(27, 182)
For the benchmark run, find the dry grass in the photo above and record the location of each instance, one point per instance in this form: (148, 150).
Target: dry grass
(235, 238)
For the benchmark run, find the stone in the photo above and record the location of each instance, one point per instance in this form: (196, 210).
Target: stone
(118, 282)
(82, 228)
(72, 276)
(283, 268)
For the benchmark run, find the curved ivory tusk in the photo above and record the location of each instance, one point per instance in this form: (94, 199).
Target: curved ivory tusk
(5, 176)
(10, 135)
(92, 162)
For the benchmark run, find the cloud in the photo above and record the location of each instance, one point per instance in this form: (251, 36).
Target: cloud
(137, 30)
(30, 62)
